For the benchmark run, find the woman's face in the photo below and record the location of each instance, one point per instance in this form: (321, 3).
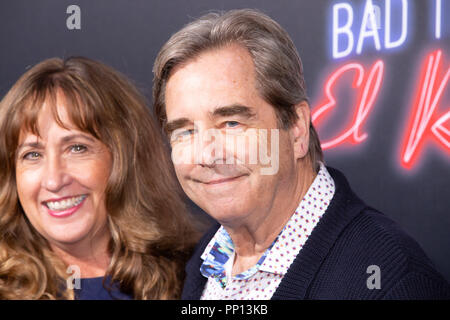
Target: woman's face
(61, 180)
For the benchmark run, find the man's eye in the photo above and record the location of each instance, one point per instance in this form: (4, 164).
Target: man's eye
(180, 134)
(78, 148)
(33, 155)
(186, 132)
(231, 124)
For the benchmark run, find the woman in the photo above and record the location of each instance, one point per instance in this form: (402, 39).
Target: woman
(86, 188)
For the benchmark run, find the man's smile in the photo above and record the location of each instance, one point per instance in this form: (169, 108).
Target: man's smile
(223, 180)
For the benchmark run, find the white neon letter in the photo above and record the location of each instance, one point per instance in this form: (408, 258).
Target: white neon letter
(387, 31)
(437, 26)
(366, 31)
(345, 29)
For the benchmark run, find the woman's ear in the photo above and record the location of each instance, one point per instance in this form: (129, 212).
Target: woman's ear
(300, 130)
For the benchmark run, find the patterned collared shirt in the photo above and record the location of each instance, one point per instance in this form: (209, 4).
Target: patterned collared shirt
(260, 281)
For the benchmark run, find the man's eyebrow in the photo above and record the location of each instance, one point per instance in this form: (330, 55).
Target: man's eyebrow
(173, 125)
(225, 111)
(233, 110)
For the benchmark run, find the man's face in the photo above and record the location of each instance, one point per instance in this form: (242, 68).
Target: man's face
(215, 95)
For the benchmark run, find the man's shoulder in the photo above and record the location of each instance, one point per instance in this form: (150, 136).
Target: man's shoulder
(372, 233)
(372, 248)
(363, 244)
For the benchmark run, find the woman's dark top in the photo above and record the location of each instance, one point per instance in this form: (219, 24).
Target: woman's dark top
(93, 289)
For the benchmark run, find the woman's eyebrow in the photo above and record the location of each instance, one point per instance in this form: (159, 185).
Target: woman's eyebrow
(35, 144)
(75, 136)
(68, 138)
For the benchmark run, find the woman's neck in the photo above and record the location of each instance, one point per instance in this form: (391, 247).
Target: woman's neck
(90, 256)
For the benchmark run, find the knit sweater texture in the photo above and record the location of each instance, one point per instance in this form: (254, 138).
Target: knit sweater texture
(350, 246)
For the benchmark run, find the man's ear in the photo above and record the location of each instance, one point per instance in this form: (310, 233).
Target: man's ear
(300, 130)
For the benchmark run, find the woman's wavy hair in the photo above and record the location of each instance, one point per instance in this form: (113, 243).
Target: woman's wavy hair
(151, 233)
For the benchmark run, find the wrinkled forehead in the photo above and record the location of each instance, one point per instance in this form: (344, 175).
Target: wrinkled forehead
(215, 78)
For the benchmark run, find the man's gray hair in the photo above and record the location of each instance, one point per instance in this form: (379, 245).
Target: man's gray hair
(279, 71)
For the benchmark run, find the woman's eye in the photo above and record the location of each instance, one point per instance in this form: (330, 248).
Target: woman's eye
(78, 148)
(33, 155)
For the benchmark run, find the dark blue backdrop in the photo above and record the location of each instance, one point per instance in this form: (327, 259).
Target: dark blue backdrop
(128, 34)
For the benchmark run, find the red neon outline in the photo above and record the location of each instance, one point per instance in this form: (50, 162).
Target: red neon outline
(365, 101)
(421, 124)
(443, 137)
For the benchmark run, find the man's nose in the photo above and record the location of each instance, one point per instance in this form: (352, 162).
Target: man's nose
(209, 147)
(55, 175)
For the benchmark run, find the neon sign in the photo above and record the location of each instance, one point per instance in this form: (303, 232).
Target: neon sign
(424, 122)
(345, 29)
(369, 88)
(429, 117)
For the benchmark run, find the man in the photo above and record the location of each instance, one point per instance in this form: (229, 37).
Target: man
(229, 92)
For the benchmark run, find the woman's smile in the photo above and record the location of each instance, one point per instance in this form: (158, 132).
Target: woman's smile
(64, 207)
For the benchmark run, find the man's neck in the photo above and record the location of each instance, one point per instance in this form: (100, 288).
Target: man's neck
(252, 239)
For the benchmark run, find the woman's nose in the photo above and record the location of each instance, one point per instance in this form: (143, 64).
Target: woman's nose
(55, 175)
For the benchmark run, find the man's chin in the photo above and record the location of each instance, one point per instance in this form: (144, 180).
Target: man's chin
(227, 216)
